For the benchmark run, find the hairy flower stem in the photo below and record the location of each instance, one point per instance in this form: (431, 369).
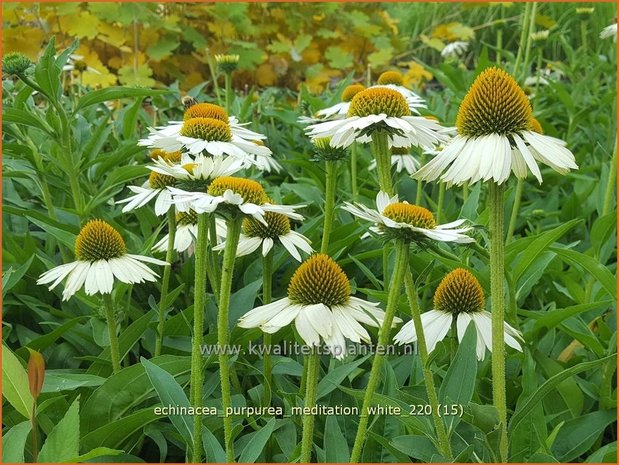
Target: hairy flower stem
(441, 433)
(441, 200)
(331, 176)
(307, 439)
(165, 280)
(213, 262)
(229, 93)
(199, 305)
(223, 330)
(515, 210)
(354, 186)
(267, 287)
(110, 316)
(380, 149)
(401, 264)
(497, 295)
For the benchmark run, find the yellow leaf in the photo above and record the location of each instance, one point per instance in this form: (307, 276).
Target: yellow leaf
(416, 75)
(22, 39)
(265, 75)
(452, 31)
(432, 42)
(92, 60)
(83, 24)
(545, 21)
(111, 35)
(139, 76)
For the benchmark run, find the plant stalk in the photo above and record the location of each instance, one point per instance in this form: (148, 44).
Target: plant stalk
(165, 280)
(331, 176)
(354, 187)
(199, 304)
(401, 253)
(311, 385)
(228, 82)
(267, 287)
(497, 295)
(441, 433)
(223, 330)
(515, 210)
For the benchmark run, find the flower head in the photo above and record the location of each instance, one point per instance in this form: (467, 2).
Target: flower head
(609, 31)
(186, 234)
(15, 63)
(206, 110)
(400, 220)
(495, 137)
(454, 49)
(320, 304)
(340, 109)
(101, 256)
(390, 77)
(458, 296)
(227, 63)
(275, 228)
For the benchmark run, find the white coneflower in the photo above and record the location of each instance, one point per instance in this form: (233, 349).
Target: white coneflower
(277, 229)
(187, 233)
(155, 187)
(609, 31)
(320, 304)
(207, 127)
(395, 81)
(101, 256)
(227, 194)
(379, 109)
(340, 110)
(495, 137)
(402, 159)
(395, 219)
(459, 296)
(196, 172)
(454, 49)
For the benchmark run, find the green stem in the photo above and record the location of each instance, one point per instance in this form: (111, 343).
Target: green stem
(497, 295)
(515, 210)
(354, 187)
(331, 176)
(35, 433)
(199, 305)
(499, 45)
(523, 36)
(267, 287)
(165, 280)
(382, 155)
(228, 82)
(465, 191)
(419, 193)
(223, 331)
(441, 199)
(441, 433)
(610, 186)
(213, 262)
(401, 250)
(307, 439)
(527, 49)
(583, 33)
(111, 329)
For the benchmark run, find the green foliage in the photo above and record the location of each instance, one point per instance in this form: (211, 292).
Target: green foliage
(70, 151)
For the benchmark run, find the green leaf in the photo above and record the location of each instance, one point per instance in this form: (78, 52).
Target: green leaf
(550, 384)
(171, 393)
(553, 318)
(335, 444)
(95, 453)
(25, 118)
(14, 442)
(11, 277)
(47, 72)
(56, 382)
(459, 382)
(338, 58)
(62, 444)
(119, 432)
(114, 93)
(579, 434)
(540, 244)
(589, 264)
(15, 383)
(335, 377)
(418, 447)
(256, 444)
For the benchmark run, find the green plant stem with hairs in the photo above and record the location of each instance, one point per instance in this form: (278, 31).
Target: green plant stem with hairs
(311, 386)
(110, 317)
(523, 36)
(229, 92)
(165, 280)
(401, 264)
(212, 257)
(223, 331)
(199, 305)
(497, 295)
(515, 210)
(354, 186)
(441, 200)
(441, 433)
(330, 180)
(267, 287)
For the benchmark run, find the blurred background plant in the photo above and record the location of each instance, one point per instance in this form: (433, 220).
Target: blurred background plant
(69, 148)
